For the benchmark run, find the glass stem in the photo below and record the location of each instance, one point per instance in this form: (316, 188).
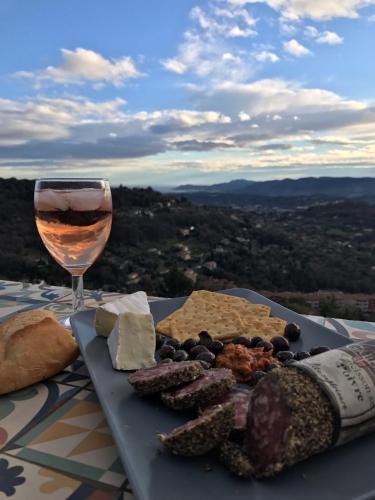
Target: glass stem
(77, 292)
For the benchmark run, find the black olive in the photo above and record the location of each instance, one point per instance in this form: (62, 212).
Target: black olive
(319, 350)
(198, 349)
(180, 355)
(279, 344)
(256, 376)
(255, 340)
(173, 342)
(284, 356)
(189, 344)
(166, 351)
(301, 355)
(208, 357)
(205, 338)
(159, 340)
(216, 347)
(267, 346)
(292, 332)
(242, 341)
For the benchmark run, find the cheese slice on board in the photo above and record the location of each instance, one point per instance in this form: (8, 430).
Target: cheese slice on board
(106, 315)
(131, 343)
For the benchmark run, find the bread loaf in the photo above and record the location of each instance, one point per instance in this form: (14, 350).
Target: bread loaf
(33, 347)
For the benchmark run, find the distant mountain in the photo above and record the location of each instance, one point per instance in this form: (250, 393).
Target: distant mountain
(224, 187)
(342, 187)
(348, 187)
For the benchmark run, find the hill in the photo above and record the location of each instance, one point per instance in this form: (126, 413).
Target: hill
(224, 187)
(286, 192)
(168, 246)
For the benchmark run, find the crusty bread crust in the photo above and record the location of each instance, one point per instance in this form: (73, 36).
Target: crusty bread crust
(33, 347)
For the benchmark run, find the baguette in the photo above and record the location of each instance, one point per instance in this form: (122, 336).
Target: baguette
(33, 347)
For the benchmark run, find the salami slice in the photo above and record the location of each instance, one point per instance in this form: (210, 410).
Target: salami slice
(202, 434)
(235, 459)
(240, 397)
(212, 384)
(164, 376)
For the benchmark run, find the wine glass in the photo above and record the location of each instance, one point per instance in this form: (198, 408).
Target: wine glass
(74, 218)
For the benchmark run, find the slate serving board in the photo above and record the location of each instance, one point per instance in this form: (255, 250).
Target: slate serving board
(154, 474)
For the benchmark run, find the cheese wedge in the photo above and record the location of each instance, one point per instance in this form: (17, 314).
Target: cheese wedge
(131, 343)
(106, 315)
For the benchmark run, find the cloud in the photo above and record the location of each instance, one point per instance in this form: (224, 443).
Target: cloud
(47, 119)
(286, 28)
(296, 49)
(311, 32)
(319, 10)
(131, 146)
(176, 119)
(224, 22)
(244, 117)
(174, 66)
(275, 147)
(301, 108)
(266, 56)
(327, 37)
(81, 133)
(78, 128)
(80, 66)
(237, 32)
(209, 49)
(209, 58)
(194, 145)
(330, 38)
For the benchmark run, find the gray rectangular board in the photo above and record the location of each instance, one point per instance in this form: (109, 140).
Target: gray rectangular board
(340, 474)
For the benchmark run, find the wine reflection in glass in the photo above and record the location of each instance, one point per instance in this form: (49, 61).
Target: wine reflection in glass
(74, 218)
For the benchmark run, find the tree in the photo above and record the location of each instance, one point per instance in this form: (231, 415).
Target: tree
(177, 283)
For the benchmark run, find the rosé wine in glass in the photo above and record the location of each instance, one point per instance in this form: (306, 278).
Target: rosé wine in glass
(74, 218)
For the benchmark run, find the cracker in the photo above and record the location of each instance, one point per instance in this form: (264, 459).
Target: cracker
(190, 325)
(223, 316)
(262, 327)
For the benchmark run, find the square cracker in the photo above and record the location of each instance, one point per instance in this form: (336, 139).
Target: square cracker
(215, 303)
(262, 327)
(220, 314)
(190, 325)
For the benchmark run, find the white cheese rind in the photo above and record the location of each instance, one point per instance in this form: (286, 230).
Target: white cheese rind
(131, 343)
(106, 315)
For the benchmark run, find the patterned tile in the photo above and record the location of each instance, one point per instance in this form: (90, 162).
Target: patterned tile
(75, 374)
(360, 330)
(32, 293)
(74, 439)
(55, 439)
(322, 321)
(21, 480)
(9, 287)
(22, 409)
(10, 307)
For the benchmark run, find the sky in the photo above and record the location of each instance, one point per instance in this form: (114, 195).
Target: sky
(169, 92)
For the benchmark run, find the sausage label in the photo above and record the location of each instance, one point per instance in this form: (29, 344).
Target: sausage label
(347, 376)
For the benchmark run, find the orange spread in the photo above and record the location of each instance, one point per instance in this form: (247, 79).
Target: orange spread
(243, 361)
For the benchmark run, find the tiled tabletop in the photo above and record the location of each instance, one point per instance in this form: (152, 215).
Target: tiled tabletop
(54, 439)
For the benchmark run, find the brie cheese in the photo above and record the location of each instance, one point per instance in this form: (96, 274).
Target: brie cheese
(106, 315)
(131, 343)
